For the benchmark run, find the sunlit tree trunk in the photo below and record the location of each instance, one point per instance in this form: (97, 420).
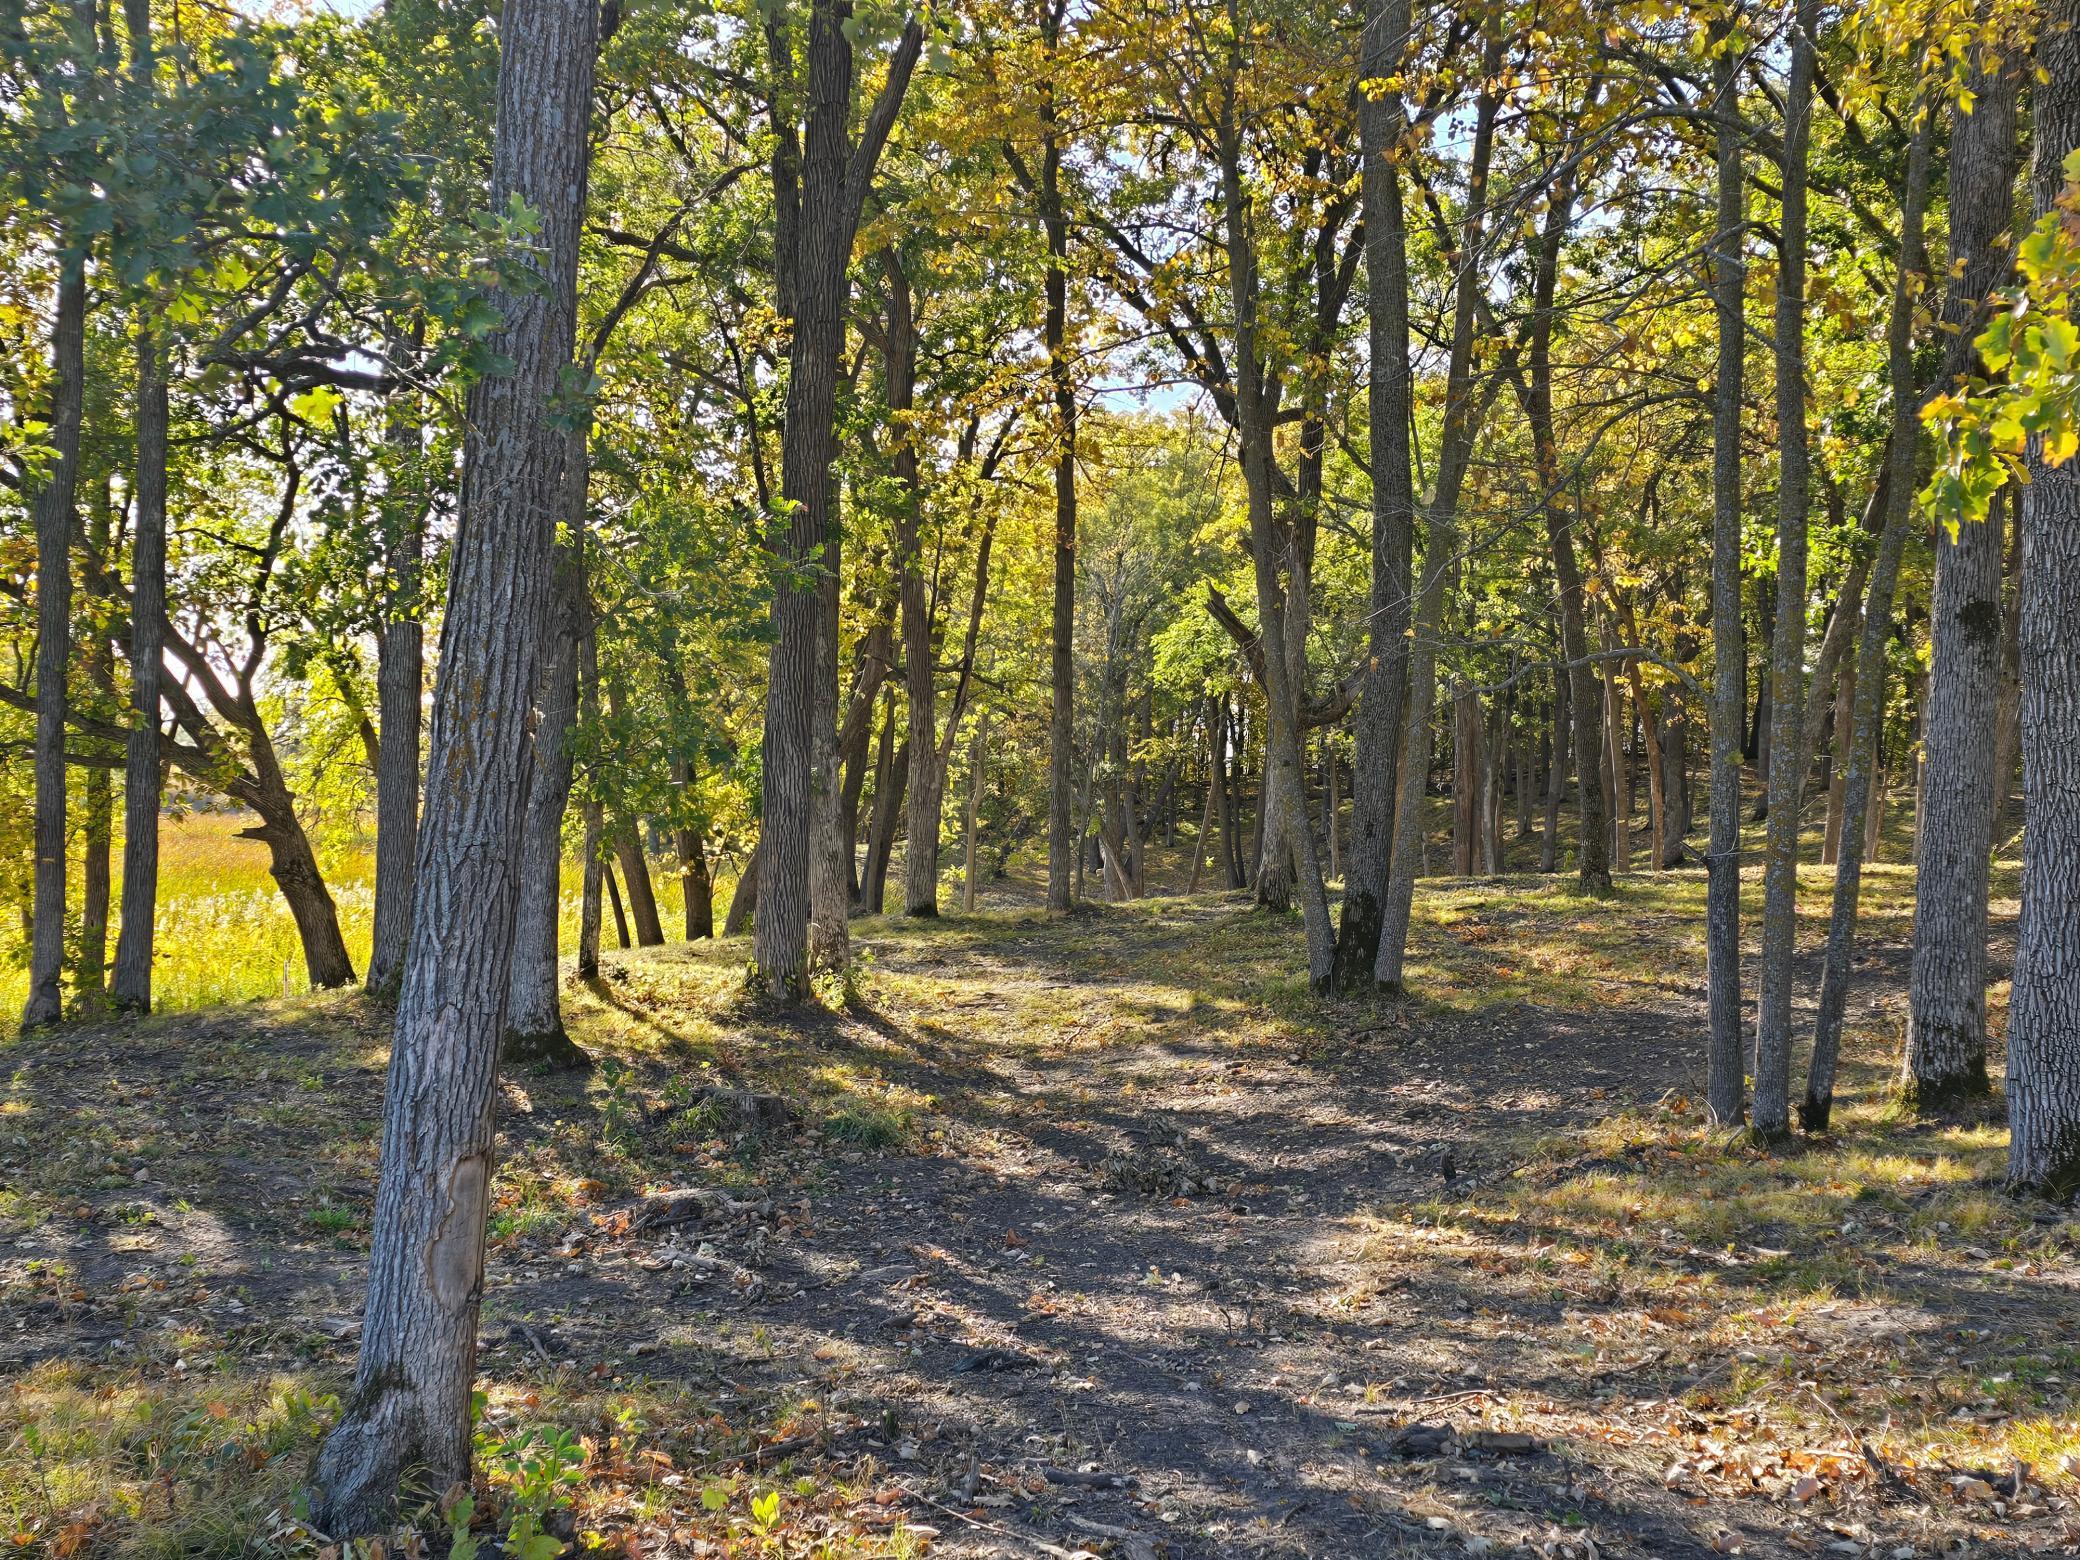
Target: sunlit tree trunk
(2043, 1084)
(408, 1413)
(1772, 1117)
(1946, 1004)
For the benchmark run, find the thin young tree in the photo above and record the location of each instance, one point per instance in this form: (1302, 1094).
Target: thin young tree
(410, 1405)
(1772, 1118)
(1858, 744)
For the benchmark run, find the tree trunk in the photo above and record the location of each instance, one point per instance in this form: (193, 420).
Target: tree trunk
(1726, 1084)
(1772, 1117)
(2044, 1010)
(97, 811)
(971, 856)
(820, 184)
(1838, 762)
(593, 850)
(535, 1035)
(635, 875)
(613, 885)
(888, 810)
(1463, 410)
(743, 901)
(409, 1411)
(400, 672)
(1469, 764)
(2007, 721)
(1061, 744)
(1946, 1005)
(1383, 698)
(54, 512)
(1858, 743)
(1558, 745)
(130, 990)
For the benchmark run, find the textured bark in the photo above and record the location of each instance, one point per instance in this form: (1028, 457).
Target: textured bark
(130, 984)
(1838, 761)
(1946, 1005)
(820, 188)
(53, 509)
(1061, 738)
(409, 1410)
(535, 1035)
(400, 672)
(97, 791)
(1857, 744)
(1772, 1116)
(2043, 1084)
(1384, 696)
(1726, 1086)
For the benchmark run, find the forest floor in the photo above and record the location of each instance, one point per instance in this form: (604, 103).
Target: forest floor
(1075, 1236)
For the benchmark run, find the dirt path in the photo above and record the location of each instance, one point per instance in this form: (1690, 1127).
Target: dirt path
(1148, 1290)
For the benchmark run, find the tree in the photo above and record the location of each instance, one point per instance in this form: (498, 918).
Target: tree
(2044, 1009)
(1787, 654)
(410, 1406)
(1946, 1005)
(821, 176)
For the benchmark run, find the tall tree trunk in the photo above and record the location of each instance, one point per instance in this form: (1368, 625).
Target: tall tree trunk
(1726, 1084)
(130, 990)
(891, 782)
(2044, 1010)
(1856, 746)
(1463, 411)
(1787, 655)
(97, 811)
(535, 1035)
(409, 1410)
(820, 186)
(1061, 741)
(1946, 1004)
(1383, 699)
(1838, 761)
(54, 511)
(400, 672)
